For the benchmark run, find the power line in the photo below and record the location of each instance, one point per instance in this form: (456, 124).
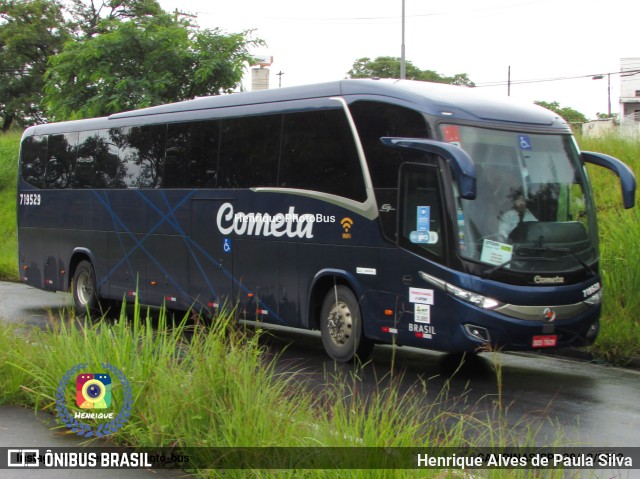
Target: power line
(543, 80)
(391, 18)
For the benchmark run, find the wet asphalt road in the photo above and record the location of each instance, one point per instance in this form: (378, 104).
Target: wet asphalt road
(567, 402)
(570, 402)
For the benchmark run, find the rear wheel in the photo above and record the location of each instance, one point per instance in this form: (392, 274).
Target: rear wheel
(84, 289)
(341, 326)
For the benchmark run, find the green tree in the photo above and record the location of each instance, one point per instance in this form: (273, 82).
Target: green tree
(389, 67)
(606, 116)
(568, 114)
(94, 57)
(143, 62)
(90, 19)
(31, 31)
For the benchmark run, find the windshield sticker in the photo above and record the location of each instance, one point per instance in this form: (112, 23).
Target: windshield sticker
(423, 237)
(451, 135)
(420, 295)
(496, 253)
(424, 213)
(422, 313)
(524, 142)
(423, 220)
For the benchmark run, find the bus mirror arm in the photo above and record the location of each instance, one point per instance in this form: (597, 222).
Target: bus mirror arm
(627, 178)
(460, 163)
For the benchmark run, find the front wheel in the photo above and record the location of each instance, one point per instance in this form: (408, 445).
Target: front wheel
(341, 326)
(84, 289)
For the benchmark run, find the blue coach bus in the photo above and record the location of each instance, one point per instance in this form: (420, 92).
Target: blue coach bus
(375, 211)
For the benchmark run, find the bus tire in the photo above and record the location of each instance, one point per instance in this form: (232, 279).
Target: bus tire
(84, 289)
(341, 326)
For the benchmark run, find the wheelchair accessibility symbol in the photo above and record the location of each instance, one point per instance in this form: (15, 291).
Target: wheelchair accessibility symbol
(525, 143)
(226, 246)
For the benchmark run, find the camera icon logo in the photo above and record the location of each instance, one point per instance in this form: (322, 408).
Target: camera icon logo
(93, 391)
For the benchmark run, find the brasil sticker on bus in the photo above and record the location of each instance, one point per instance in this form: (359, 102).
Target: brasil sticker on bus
(549, 341)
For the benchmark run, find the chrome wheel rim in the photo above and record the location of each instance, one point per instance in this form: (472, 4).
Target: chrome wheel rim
(84, 289)
(340, 323)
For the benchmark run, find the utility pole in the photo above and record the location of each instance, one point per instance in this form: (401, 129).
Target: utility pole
(403, 64)
(609, 93)
(600, 77)
(509, 81)
(279, 74)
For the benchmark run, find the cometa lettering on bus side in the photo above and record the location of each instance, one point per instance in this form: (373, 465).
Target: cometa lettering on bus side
(290, 224)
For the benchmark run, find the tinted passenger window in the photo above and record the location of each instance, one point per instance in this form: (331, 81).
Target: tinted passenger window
(141, 152)
(375, 120)
(319, 153)
(249, 151)
(34, 160)
(192, 155)
(97, 161)
(61, 159)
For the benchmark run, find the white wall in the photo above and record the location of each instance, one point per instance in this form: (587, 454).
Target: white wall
(629, 92)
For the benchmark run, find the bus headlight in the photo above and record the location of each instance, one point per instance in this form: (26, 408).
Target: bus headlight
(468, 296)
(594, 299)
(473, 298)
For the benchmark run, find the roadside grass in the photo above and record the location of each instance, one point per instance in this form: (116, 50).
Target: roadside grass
(619, 229)
(216, 386)
(9, 145)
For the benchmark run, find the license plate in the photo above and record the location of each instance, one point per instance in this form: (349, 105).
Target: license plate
(549, 341)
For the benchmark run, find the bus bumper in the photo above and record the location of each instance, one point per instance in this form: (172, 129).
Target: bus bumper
(499, 332)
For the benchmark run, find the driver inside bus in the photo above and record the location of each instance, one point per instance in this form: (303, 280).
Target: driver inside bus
(518, 213)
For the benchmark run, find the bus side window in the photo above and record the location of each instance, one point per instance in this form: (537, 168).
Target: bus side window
(97, 161)
(34, 156)
(421, 220)
(319, 153)
(192, 155)
(142, 156)
(249, 148)
(61, 161)
(375, 120)
(86, 162)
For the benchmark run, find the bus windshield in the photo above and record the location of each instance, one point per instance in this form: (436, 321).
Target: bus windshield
(533, 211)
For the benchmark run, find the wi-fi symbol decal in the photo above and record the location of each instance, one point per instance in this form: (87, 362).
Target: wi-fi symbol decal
(346, 223)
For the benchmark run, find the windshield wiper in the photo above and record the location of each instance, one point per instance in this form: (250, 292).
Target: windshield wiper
(490, 271)
(551, 249)
(539, 249)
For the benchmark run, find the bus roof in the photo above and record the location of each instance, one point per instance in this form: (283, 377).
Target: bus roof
(447, 101)
(433, 98)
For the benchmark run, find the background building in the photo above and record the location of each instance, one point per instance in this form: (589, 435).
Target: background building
(628, 122)
(630, 91)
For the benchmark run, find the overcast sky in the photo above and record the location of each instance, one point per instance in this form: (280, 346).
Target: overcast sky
(540, 39)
